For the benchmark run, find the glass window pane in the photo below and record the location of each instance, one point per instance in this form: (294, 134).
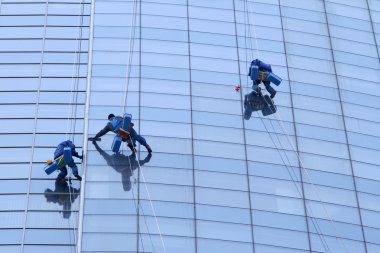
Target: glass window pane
(47, 248)
(168, 193)
(48, 236)
(10, 236)
(335, 244)
(164, 9)
(108, 242)
(222, 197)
(168, 209)
(334, 212)
(219, 164)
(223, 214)
(277, 204)
(221, 180)
(54, 220)
(13, 202)
(222, 246)
(218, 149)
(224, 231)
(172, 243)
(332, 228)
(168, 226)
(110, 223)
(279, 220)
(279, 237)
(276, 187)
(164, 22)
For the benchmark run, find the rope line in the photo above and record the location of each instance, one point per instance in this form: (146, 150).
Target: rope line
(308, 208)
(150, 200)
(254, 33)
(72, 116)
(294, 180)
(35, 121)
(137, 207)
(128, 73)
(126, 87)
(279, 120)
(130, 56)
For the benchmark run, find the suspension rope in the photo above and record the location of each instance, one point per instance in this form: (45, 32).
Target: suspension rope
(68, 220)
(293, 177)
(130, 56)
(331, 222)
(34, 121)
(142, 210)
(246, 16)
(150, 199)
(134, 198)
(128, 72)
(72, 116)
(279, 120)
(254, 33)
(315, 223)
(132, 34)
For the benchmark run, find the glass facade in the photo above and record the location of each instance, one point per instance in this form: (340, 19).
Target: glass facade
(305, 179)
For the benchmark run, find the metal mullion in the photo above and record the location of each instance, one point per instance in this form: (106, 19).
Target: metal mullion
(244, 130)
(138, 232)
(373, 30)
(345, 127)
(35, 127)
(86, 127)
(192, 129)
(295, 132)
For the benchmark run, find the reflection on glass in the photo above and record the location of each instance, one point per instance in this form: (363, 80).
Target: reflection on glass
(123, 164)
(64, 195)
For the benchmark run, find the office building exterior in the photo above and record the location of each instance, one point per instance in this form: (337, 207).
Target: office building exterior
(305, 179)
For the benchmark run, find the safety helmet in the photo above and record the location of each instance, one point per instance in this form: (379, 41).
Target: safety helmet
(49, 162)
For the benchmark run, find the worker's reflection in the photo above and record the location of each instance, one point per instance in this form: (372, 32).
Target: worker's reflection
(63, 194)
(123, 164)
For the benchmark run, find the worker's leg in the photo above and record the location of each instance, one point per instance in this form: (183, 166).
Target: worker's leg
(269, 88)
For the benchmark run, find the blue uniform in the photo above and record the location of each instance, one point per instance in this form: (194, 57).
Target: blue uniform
(262, 67)
(113, 125)
(59, 152)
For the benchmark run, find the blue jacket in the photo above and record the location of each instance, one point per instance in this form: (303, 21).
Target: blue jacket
(59, 150)
(113, 125)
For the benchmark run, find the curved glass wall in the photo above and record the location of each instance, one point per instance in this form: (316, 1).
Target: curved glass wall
(302, 180)
(43, 69)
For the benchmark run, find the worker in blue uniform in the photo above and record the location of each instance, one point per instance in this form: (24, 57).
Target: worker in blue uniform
(111, 126)
(264, 68)
(255, 101)
(58, 156)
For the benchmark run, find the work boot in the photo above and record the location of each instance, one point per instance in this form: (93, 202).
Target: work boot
(78, 177)
(148, 148)
(273, 94)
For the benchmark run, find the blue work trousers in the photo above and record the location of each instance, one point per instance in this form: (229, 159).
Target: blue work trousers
(63, 170)
(136, 137)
